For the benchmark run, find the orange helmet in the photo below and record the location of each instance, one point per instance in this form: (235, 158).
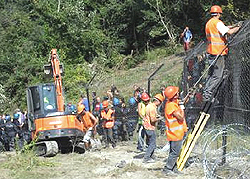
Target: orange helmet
(145, 96)
(80, 108)
(105, 104)
(159, 97)
(171, 91)
(216, 9)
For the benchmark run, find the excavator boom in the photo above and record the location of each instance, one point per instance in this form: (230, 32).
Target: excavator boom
(55, 64)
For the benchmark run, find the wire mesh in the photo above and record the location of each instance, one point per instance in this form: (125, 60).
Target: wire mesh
(237, 100)
(225, 141)
(226, 151)
(233, 102)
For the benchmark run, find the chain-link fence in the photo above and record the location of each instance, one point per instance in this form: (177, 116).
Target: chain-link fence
(226, 139)
(233, 102)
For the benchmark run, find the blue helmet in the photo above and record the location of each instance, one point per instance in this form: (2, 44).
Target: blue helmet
(72, 107)
(15, 116)
(116, 101)
(7, 118)
(132, 101)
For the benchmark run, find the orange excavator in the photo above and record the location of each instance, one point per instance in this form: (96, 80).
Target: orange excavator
(54, 129)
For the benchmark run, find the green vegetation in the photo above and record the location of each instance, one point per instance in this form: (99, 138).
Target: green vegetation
(23, 165)
(124, 80)
(90, 34)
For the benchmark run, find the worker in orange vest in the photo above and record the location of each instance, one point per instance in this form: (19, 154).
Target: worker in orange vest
(89, 121)
(149, 124)
(216, 33)
(107, 115)
(176, 126)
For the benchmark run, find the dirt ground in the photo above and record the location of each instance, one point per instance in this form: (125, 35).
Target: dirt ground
(122, 162)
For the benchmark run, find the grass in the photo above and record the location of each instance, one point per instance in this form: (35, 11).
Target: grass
(124, 80)
(26, 165)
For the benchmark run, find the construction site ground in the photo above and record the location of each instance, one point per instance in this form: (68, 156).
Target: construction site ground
(121, 162)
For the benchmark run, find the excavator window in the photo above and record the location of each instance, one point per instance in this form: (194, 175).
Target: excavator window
(36, 98)
(49, 98)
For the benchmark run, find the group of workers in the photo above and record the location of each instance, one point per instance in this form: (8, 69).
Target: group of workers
(14, 131)
(176, 127)
(113, 120)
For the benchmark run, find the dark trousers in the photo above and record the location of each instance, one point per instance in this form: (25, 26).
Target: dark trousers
(214, 75)
(108, 134)
(10, 142)
(175, 147)
(151, 144)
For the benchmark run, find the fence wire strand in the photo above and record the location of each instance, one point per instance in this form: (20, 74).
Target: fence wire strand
(237, 156)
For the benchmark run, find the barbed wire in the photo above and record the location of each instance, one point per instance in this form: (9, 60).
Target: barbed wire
(226, 151)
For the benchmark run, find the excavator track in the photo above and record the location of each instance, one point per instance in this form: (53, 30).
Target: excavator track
(47, 148)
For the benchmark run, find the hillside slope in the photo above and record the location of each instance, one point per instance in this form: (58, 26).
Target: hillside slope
(124, 80)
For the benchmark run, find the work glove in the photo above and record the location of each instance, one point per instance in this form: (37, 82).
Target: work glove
(237, 24)
(240, 23)
(181, 104)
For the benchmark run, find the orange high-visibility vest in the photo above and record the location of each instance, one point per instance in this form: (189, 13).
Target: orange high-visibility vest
(215, 41)
(109, 122)
(175, 130)
(87, 120)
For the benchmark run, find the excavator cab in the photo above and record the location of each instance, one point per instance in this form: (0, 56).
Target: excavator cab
(41, 100)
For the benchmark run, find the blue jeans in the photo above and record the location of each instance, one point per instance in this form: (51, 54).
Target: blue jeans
(175, 147)
(151, 144)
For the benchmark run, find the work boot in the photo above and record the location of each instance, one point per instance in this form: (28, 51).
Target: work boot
(167, 171)
(106, 146)
(139, 150)
(154, 157)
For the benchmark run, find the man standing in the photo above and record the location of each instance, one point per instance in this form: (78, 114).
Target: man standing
(84, 100)
(71, 108)
(107, 115)
(142, 112)
(176, 126)
(89, 122)
(187, 37)
(11, 131)
(216, 33)
(149, 124)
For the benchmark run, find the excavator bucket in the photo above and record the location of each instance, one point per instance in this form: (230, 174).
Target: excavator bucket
(47, 69)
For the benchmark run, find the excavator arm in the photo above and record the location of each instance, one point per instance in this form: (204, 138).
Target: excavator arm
(55, 64)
